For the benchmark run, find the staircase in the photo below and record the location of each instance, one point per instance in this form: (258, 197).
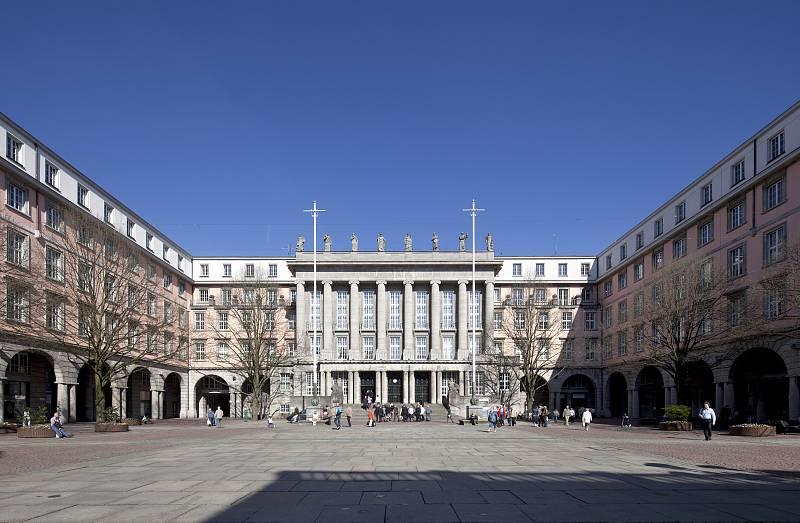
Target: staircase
(438, 414)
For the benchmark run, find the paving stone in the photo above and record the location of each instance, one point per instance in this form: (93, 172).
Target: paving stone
(487, 512)
(352, 514)
(428, 513)
(391, 498)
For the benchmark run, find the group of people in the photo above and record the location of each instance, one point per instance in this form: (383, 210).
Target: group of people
(500, 415)
(214, 418)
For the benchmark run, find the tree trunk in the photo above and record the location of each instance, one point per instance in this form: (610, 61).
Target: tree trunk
(99, 397)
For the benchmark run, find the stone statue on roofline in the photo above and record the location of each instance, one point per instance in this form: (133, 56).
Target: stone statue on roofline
(489, 242)
(407, 242)
(301, 244)
(354, 242)
(435, 242)
(381, 242)
(326, 243)
(462, 241)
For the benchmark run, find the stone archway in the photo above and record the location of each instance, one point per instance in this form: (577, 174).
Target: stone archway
(171, 404)
(85, 391)
(211, 392)
(650, 390)
(761, 386)
(245, 399)
(30, 384)
(578, 391)
(618, 395)
(699, 386)
(139, 396)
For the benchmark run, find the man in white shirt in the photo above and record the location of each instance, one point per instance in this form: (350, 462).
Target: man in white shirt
(709, 418)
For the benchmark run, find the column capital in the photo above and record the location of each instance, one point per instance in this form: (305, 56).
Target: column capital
(489, 282)
(408, 282)
(436, 282)
(327, 282)
(380, 282)
(354, 282)
(463, 282)
(301, 283)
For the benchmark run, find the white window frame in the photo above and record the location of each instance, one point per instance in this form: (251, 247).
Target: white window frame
(774, 245)
(774, 194)
(17, 198)
(342, 348)
(108, 213)
(368, 347)
(17, 247)
(516, 270)
(448, 347)
(706, 194)
(54, 263)
(776, 146)
(562, 270)
(421, 352)
(342, 317)
(395, 348)
(273, 270)
(589, 320)
(738, 174)
(82, 196)
(395, 319)
(226, 270)
(566, 320)
(736, 215)
(421, 309)
(14, 149)
(540, 269)
(367, 309)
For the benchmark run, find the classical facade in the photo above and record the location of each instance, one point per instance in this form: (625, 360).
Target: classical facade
(403, 325)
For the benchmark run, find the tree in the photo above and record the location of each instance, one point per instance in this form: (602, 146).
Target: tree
(531, 326)
(690, 310)
(86, 293)
(251, 332)
(502, 376)
(781, 289)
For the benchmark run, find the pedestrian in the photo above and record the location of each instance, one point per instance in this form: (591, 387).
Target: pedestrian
(270, 424)
(210, 418)
(337, 420)
(428, 413)
(410, 412)
(449, 415)
(492, 420)
(57, 427)
(26, 418)
(586, 419)
(566, 414)
(218, 416)
(555, 415)
(512, 421)
(370, 417)
(708, 418)
(348, 413)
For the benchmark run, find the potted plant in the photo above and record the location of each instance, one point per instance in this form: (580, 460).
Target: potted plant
(753, 430)
(39, 427)
(676, 418)
(5, 427)
(109, 421)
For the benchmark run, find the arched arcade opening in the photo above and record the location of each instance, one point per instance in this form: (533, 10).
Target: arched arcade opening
(618, 395)
(650, 388)
(211, 392)
(761, 386)
(85, 394)
(30, 383)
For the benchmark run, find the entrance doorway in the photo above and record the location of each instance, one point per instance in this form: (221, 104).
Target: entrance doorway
(367, 385)
(395, 387)
(618, 395)
(422, 386)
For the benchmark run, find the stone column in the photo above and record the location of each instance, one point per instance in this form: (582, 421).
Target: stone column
(203, 407)
(234, 408)
(718, 397)
(381, 317)
(2, 400)
(408, 320)
(191, 407)
(412, 387)
(123, 397)
(436, 321)
(384, 386)
(351, 386)
(554, 405)
(405, 386)
(355, 319)
(62, 399)
(488, 316)
(794, 399)
(667, 398)
(463, 311)
(328, 348)
(728, 395)
(154, 406)
(464, 387)
(300, 313)
(73, 399)
(673, 396)
(633, 406)
(433, 387)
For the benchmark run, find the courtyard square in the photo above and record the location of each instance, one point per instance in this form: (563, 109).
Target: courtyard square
(174, 471)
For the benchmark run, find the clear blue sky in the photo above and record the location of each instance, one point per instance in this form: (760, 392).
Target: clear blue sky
(567, 120)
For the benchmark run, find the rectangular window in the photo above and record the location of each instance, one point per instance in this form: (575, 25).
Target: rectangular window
(566, 320)
(607, 288)
(623, 251)
(472, 342)
(474, 318)
(315, 322)
(563, 297)
(622, 311)
(448, 348)
(199, 321)
(736, 262)
(181, 288)
(421, 316)
(421, 347)
(774, 303)
(17, 304)
(291, 349)
(285, 385)
(199, 351)
(607, 316)
(273, 270)
(226, 270)
(316, 343)
(543, 322)
(774, 245)
(587, 295)
(293, 296)
(54, 313)
(777, 146)
(342, 299)
(639, 240)
(180, 263)
(519, 319)
(517, 269)
(108, 213)
(591, 349)
(312, 383)
(394, 310)
(17, 198)
(16, 248)
(249, 270)
(54, 216)
(395, 353)
(368, 346)
(774, 194)
(168, 281)
(622, 280)
(705, 233)
(227, 297)
(151, 304)
(540, 296)
(368, 310)
(736, 215)
(13, 149)
(497, 320)
(585, 269)
(503, 381)
(680, 212)
(737, 173)
(516, 297)
(272, 297)
(342, 348)
(165, 252)
(622, 343)
(167, 312)
(658, 259)
(658, 227)
(589, 320)
(679, 248)
(608, 262)
(83, 196)
(54, 261)
(148, 243)
(638, 339)
(638, 305)
(480, 378)
(562, 269)
(496, 296)
(736, 307)
(203, 296)
(706, 194)
(448, 310)
(539, 269)
(203, 270)
(638, 270)
(222, 320)
(222, 351)
(168, 346)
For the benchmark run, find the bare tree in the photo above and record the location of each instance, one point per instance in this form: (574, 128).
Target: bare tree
(531, 325)
(781, 288)
(503, 377)
(86, 293)
(692, 309)
(252, 332)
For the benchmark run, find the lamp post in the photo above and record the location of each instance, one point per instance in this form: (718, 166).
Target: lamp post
(473, 211)
(315, 303)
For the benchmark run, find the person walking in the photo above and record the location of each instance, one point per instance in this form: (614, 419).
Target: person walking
(218, 415)
(210, 416)
(337, 420)
(492, 420)
(348, 413)
(428, 413)
(708, 418)
(566, 414)
(586, 419)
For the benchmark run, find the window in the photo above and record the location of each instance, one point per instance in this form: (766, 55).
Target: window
(151, 342)
(774, 243)
(368, 346)
(591, 349)
(167, 281)
(312, 383)
(285, 408)
(54, 313)
(17, 304)
(562, 269)
(83, 196)
(272, 297)
(165, 252)
(706, 194)
(222, 320)
(316, 343)
(638, 269)
(736, 262)
(167, 312)
(394, 348)
(658, 259)
(480, 378)
(497, 320)
(293, 296)
(131, 228)
(566, 320)
(291, 349)
(394, 310)
(496, 295)
(638, 338)
(273, 270)
(517, 269)
(108, 213)
(774, 194)
(151, 304)
(607, 320)
(285, 385)
(608, 261)
(17, 248)
(519, 319)
(342, 348)
(181, 288)
(83, 322)
(563, 297)
(474, 344)
(639, 240)
(249, 270)
(180, 263)
(17, 198)
(51, 177)
(589, 320)
(315, 321)
(622, 280)
(448, 310)
(368, 310)
(658, 227)
(622, 343)
(543, 323)
(623, 251)
(204, 270)
(517, 297)
(585, 269)
(736, 215)
(587, 295)
(222, 351)
(539, 269)
(227, 297)
(421, 347)
(774, 303)
(705, 233)
(544, 350)
(567, 348)
(342, 299)
(226, 270)
(736, 308)
(204, 296)
(148, 241)
(680, 212)
(168, 345)
(777, 146)
(448, 347)
(638, 305)
(679, 248)
(13, 149)
(503, 380)
(421, 310)
(607, 288)
(622, 311)
(474, 318)
(539, 296)
(737, 173)
(133, 333)
(54, 262)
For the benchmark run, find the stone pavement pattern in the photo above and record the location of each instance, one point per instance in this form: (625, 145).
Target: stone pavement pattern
(398, 472)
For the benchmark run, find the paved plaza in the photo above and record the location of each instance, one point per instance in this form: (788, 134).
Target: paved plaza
(397, 472)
